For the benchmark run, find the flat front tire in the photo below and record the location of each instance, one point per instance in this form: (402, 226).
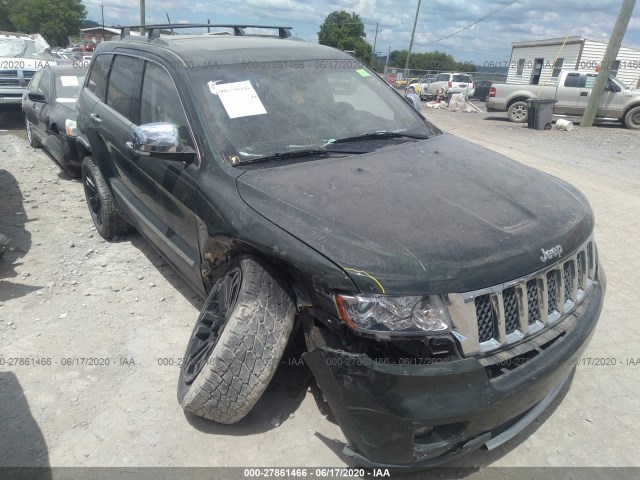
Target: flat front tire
(236, 344)
(518, 112)
(105, 218)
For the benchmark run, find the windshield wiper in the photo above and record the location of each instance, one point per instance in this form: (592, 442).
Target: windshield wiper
(377, 136)
(311, 152)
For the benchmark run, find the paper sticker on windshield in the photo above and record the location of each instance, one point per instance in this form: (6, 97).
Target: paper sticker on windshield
(69, 81)
(239, 99)
(363, 72)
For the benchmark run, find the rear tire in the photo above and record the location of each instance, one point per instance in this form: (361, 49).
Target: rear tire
(236, 344)
(632, 118)
(518, 112)
(106, 219)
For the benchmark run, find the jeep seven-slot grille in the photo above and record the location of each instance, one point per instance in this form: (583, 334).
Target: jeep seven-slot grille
(509, 313)
(484, 313)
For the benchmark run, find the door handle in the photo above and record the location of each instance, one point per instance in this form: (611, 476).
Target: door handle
(584, 94)
(96, 118)
(33, 105)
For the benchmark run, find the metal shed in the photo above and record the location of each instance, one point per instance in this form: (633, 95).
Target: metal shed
(540, 61)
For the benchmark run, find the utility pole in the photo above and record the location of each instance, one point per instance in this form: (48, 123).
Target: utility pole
(609, 57)
(386, 63)
(102, 10)
(415, 22)
(142, 16)
(375, 40)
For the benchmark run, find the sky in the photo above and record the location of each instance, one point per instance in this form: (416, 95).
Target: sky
(487, 41)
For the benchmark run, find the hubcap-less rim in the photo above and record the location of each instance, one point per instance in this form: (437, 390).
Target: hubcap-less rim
(519, 113)
(635, 118)
(93, 199)
(211, 323)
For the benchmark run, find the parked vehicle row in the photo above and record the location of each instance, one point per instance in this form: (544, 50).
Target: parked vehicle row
(440, 298)
(49, 109)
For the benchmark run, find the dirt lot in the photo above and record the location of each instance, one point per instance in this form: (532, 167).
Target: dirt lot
(66, 294)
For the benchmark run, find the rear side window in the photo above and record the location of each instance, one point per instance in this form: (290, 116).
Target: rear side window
(572, 80)
(97, 83)
(124, 84)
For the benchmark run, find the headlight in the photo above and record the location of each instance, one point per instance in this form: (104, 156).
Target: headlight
(396, 315)
(70, 127)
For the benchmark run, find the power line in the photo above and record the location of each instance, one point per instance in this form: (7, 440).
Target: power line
(490, 14)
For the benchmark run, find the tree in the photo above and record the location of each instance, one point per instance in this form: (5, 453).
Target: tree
(5, 23)
(55, 20)
(346, 32)
(429, 61)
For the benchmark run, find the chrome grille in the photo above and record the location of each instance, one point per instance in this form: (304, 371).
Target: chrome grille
(9, 78)
(495, 317)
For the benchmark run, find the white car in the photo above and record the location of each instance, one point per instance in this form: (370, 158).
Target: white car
(447, 83)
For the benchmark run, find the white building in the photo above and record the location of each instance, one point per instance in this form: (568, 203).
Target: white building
(539, 62)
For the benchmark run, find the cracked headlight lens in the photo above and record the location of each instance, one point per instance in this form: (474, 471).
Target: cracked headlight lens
(408, 315)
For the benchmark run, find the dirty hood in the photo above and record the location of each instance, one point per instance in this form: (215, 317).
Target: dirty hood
(437, 216)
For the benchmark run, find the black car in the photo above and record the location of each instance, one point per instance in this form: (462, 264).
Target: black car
(482, 89)
(444, 290)
(49, 109)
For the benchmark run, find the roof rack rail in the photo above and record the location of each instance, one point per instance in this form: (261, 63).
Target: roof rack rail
(238, 30)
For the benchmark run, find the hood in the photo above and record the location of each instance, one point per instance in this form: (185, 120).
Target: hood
(436, 216)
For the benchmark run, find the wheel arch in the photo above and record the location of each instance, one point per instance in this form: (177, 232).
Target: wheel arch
(222, 250)
(516, 99)
(629, 108)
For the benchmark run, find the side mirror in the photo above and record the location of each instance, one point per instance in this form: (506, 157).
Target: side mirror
(36, 97)
(161, 141)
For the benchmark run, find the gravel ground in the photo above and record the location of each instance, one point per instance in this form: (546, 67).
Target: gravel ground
(66, 294)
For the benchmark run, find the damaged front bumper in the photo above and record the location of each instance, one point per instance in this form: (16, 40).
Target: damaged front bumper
(397, 415)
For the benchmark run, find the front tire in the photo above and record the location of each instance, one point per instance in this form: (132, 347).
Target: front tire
(518, 112)
(106, 219)
(632, 118)
(31, 137)
(236, 344)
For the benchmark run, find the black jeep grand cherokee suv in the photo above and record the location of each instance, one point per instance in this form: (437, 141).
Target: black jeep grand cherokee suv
(444, 289)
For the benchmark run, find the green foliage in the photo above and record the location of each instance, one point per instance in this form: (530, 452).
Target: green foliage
(5, 23)
(55, 20)
(429, 61)
(346, 32)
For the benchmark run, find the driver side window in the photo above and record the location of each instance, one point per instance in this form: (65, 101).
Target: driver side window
(33, 84)
(160, 102)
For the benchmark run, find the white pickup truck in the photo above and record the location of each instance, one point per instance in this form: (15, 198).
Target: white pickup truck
(571, 93)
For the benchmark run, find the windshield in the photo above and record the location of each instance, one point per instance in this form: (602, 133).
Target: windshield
(23, 48)
(68, 86)
(264, 109)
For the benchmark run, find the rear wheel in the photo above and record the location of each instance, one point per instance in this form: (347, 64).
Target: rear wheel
(236, 344)
(106, 219)
(632, 118)
(31, 137)
(518, 112)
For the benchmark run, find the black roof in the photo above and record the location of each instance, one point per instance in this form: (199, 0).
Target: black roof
(205, 49)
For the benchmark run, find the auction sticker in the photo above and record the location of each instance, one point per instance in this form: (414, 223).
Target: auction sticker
(239, 98)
